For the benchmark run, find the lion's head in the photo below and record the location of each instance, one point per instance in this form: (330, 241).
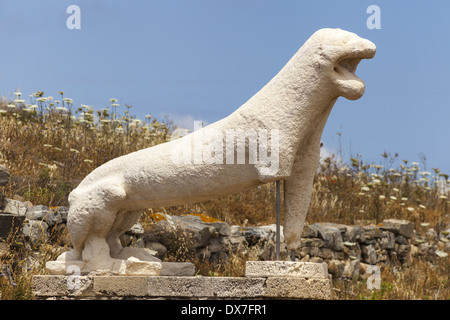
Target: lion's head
(340, 52)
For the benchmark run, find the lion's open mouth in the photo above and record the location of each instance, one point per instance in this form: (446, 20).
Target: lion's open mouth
(352, 87)
(347, 67)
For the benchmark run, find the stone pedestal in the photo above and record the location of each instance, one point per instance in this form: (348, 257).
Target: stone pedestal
(263, 280)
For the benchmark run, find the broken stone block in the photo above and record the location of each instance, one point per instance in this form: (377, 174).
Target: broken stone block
(330, 235)
(44, 213)
(351, 269)
(369, 254)
(387, 240)
(35, 232)
(14, 207)
(401, 227)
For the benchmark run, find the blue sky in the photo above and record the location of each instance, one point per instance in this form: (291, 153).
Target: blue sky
(202, 59)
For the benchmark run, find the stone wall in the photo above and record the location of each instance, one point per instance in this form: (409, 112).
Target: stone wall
(347, 249)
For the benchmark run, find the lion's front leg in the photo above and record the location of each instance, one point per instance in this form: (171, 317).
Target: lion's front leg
(297, 194)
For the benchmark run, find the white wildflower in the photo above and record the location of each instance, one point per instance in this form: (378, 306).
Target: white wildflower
(441, 254)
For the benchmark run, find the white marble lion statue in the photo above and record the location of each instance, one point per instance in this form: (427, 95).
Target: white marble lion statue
(282, 126)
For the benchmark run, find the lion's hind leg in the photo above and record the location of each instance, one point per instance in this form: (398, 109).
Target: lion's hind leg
(124, 221)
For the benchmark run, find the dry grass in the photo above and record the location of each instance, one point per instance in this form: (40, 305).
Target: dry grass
(49, 146)
(420, 281)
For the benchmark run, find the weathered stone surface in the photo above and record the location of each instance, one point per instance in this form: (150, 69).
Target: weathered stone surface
(137, 229)
(58, 286)
(387, 240)
(298, 288)
(129, 267)
(206, 287)
(351, 269)
(312, 242)
(254, 235)
(286, 269)
(136, 267)
(310, 231)
(369, 254)
(35, 231)
(121, 286)
(14, 207)
(180, 287)
(208, 238)
(37, 212)
(62, 211)
(401, 227)
(4, 176)
(330, 234)
(101, 287)
(372, 233)
(44, 213)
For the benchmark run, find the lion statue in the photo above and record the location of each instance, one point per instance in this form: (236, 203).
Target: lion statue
(273, 136)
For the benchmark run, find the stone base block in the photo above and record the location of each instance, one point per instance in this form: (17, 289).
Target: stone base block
(298, 288)
(178, 287)
(131, 267)
(286, 269)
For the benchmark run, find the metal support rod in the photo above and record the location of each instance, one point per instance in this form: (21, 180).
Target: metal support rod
(278, 222)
